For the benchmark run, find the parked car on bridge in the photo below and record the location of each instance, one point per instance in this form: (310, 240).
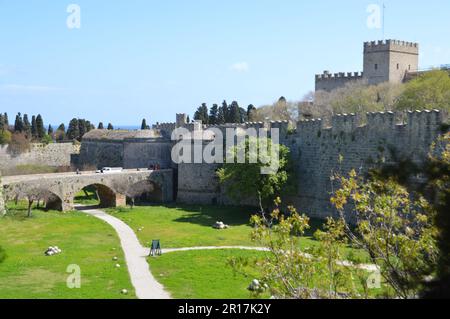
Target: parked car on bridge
(106, 170)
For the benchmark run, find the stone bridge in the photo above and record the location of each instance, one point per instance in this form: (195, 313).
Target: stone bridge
(59, 190)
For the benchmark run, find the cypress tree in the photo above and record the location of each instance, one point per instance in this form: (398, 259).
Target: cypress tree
(26, 126)
(33, 127)
(144, 125)
(100, 126)
(18, 124)
(50, 130)
(2, 122)
(251, 112)
(5, 119)
(40, 130)
(110, 127)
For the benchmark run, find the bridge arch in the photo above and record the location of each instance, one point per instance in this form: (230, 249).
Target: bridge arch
(149, 190)
(107, 195)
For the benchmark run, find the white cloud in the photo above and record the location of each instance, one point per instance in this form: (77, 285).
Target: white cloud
(18, 88)
(240, 67)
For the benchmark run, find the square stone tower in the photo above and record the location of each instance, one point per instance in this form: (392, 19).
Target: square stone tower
(389, 61)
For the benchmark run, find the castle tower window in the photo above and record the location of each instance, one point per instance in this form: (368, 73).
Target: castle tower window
(409, 67)
(398, 66)
(376, 66)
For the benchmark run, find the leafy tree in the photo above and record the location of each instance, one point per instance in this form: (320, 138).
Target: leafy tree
(5, 137)
(430, 90)
(392, 226)
(246, 179)
(289, 271)
(100, 126)
(213, 113)
(47, 139)
(60, 134)
(438, 175)
(110, 127)
(40, 130)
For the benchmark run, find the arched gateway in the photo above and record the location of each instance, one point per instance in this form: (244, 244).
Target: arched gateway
(59, 190)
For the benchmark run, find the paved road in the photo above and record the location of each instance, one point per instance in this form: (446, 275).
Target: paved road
(144, 283)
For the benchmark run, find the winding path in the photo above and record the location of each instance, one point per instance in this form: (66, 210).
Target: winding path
(144, 283)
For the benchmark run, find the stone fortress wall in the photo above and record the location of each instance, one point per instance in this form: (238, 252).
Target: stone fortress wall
(316, 149)
(54, 155)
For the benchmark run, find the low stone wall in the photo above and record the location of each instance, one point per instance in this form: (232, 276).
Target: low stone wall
(54, 155)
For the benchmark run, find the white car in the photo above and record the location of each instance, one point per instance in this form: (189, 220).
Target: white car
(106, 170)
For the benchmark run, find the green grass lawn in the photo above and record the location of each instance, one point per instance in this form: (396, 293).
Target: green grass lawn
(190, 226)
(84, 240)
(202, 274)
(205, 274)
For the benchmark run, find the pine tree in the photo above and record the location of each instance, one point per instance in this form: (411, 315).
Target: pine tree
(213, 113)
(110, 127)
(221, 116)
(40, 127)
(188, 119)
(50, 130)
(251, 112)
(73, 132)
(235, 114)
(100, 126)
(202, 114)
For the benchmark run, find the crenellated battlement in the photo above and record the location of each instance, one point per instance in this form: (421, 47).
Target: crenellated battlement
(391, 45)
(384, 122)
(350, 76)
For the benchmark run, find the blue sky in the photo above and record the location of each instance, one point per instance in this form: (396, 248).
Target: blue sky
(143, 58)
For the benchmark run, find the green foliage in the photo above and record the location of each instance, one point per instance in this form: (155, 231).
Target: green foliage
(393, 226)
(144, 125)
(438, 173)
(246, 179)
(5, 137)
(47, 139)
(287, 270)
(202, 114)
(110, 127)
(430, 90)
(40, 130)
